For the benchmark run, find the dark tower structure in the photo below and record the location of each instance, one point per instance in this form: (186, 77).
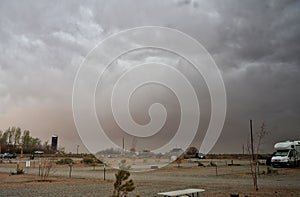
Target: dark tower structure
(54, 142)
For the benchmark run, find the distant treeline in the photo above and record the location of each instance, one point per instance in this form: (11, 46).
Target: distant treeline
(14, 140)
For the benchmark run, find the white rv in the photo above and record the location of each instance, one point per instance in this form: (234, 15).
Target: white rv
(287, 154)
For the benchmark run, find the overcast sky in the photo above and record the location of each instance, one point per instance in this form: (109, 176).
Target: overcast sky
(256, 45)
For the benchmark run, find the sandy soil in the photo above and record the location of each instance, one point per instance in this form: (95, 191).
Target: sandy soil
(88, 181)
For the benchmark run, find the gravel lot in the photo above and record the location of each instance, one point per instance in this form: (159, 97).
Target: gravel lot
(88, 181)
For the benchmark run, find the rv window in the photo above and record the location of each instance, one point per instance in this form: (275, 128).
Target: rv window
(282, 153)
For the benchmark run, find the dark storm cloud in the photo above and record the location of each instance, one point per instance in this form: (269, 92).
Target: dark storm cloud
(255, 44)
(261, 66)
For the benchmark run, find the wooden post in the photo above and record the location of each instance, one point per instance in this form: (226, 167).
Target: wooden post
(123, 145)
(21, 152)
(40, 168)
(104, 172)
(257, 164)
(70, 172)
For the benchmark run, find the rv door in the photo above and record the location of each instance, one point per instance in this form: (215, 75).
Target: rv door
(292, 157)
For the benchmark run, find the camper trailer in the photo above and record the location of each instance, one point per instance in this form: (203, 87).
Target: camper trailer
(287, 154)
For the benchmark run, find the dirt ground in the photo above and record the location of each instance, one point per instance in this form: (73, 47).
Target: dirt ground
(88, 180)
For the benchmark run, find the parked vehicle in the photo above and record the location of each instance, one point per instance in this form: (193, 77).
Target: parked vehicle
(38, 152)
(287, 154)
(8, 155)
(201, 156)
(269, 158)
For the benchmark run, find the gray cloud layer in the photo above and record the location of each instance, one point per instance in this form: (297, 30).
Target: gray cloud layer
(255, 44)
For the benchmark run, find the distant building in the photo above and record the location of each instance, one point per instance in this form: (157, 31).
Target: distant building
(54, 142)
(176, 151)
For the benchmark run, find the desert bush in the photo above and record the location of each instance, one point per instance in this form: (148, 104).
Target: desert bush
(253, 148)
(91, 160)
(179, 160)
(18, 171)
(45, 167)
(123, 165)
(122, 185)
(88, 161)
(212, 164)
(192, 151)
(65, 161)
(271, 171)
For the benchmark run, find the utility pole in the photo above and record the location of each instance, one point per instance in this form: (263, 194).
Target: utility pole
(252, 146)
(123, 145)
